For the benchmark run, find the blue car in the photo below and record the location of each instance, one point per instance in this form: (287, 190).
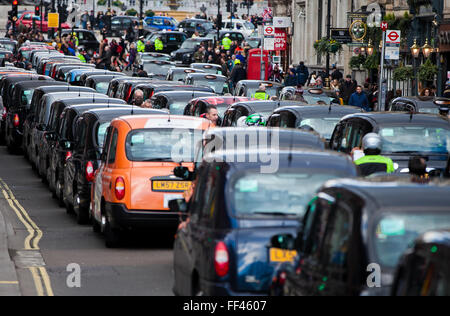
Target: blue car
(235, 211)
(161, 23)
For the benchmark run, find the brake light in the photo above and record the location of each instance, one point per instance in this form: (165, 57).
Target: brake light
(4, 114)
(282, 278)
(128, 94)
(221, 259)
(16, 120)
(120, 188)
(89, 171)
(68, 155)
(43, 69)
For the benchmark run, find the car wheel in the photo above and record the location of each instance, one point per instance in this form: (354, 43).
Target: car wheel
(112, 236)
(59, 193)
(82, 213)
(96, 227)
(69, 207)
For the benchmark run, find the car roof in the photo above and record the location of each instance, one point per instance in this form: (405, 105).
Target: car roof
(386, 118)
(81, 108)
(320, 109)
(287, 138)
(436, 237)
(423, 102)
(165, 121)
(287, 158)
(258, 82)
(94, 99)
(183, 93)
(203, 75)
(111, 113)
(38, 83)
(220, 100)
(401, 193)
(64, 87)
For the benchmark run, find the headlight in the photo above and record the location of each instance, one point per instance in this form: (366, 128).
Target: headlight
(188, 55)
(172, 54)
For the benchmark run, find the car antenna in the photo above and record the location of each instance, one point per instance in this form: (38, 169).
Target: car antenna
(132, 109)
(329, 108)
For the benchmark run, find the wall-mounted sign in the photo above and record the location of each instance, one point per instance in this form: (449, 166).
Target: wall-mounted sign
(358, 30)
(282, 22)
(342, 35)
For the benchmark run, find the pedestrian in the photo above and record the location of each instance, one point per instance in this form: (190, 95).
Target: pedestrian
(84, 20)
(312, 79)
(347, 88)
(212, 114)
(159, 45)
(226, 42)
(199, 54)
(237, 74)
(132, 56)
(427, 92)
(140, 45)
(359, 99)
(336, 74)
(291, 79)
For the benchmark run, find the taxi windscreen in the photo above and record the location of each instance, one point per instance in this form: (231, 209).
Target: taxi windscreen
(284, 193)
(394, 233)
(157, 69)
(408, 139)
(102, 87)
(218, 85)
(271, 91)
(167, 144)
(323, 126)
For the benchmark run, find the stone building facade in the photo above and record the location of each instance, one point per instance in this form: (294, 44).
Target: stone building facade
(310, 24)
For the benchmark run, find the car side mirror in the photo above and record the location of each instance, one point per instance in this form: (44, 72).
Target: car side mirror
(284, 241)
(178, 206)
(182, 172)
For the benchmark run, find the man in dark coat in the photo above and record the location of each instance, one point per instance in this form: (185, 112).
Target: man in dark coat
(347, 88)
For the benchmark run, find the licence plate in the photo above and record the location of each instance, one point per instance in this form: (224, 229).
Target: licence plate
(280, 255)
(171, 186)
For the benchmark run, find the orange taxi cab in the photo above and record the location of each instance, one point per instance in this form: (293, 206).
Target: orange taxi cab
(135, 181)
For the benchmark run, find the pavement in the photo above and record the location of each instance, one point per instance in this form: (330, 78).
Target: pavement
(40, 255)
(9, 284)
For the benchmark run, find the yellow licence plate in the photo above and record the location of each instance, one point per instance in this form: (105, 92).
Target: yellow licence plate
(280, 255)
(171, 186)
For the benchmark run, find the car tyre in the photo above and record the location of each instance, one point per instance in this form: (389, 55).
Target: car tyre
(59, 193)
(82, 213)
(112, 236)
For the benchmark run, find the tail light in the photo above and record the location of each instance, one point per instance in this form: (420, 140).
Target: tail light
(89, 171)
(221, 259)
(120, 188)
(282, 278)
(68, 155)
(16, 120)
(4, 113)
(43, 69)
(128, 94)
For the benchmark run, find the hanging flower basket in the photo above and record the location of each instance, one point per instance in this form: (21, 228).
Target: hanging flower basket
(325, 46)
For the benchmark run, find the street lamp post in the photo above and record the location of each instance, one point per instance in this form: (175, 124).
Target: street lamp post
(415, 51)
(427, 49)
(328, 36)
